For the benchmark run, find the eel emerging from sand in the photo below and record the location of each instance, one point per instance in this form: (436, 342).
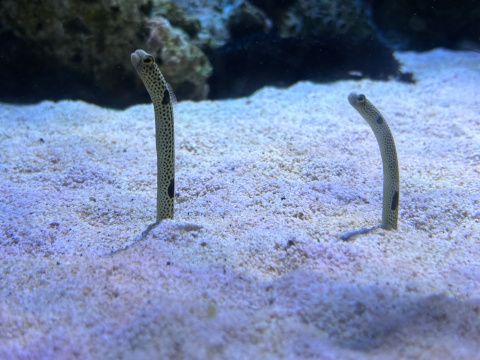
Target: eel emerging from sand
(162, 97)
(391, 176)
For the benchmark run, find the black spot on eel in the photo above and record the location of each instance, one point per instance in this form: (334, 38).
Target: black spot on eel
(161, 95)
(391, 175)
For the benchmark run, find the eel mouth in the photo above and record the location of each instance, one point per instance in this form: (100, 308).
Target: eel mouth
(135, 59)
(352, 98)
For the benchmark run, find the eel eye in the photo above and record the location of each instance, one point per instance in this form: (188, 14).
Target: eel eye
(361, 98)
(148, 60)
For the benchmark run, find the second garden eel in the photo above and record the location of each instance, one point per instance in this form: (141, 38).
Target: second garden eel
(391, 176)
(162, 98)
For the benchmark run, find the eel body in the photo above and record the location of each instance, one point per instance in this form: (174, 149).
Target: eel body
(391, 176)
(162, 97)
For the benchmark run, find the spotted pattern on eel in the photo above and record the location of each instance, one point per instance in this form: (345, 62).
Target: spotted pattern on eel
(391, 175)
(162, 97)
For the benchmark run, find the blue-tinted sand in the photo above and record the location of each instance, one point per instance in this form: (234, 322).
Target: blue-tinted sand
(252, 266)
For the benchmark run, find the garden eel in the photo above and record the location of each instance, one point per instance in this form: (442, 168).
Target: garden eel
(162, 97)
(391, 176)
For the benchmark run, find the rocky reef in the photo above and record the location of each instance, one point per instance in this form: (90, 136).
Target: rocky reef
(80, 50)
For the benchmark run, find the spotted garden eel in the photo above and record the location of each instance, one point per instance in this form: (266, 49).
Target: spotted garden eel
(162, 97)
(391, 176)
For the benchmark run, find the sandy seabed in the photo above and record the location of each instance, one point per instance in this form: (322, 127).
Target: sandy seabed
(252, 267)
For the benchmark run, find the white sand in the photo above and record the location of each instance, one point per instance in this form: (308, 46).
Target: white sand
(252, 267)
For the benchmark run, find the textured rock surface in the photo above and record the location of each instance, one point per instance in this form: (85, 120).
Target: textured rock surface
(319, 18)
(71, 47)
(252, 267)
(226, 20)
(184, 65)
(218, 21)
(81, 49)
